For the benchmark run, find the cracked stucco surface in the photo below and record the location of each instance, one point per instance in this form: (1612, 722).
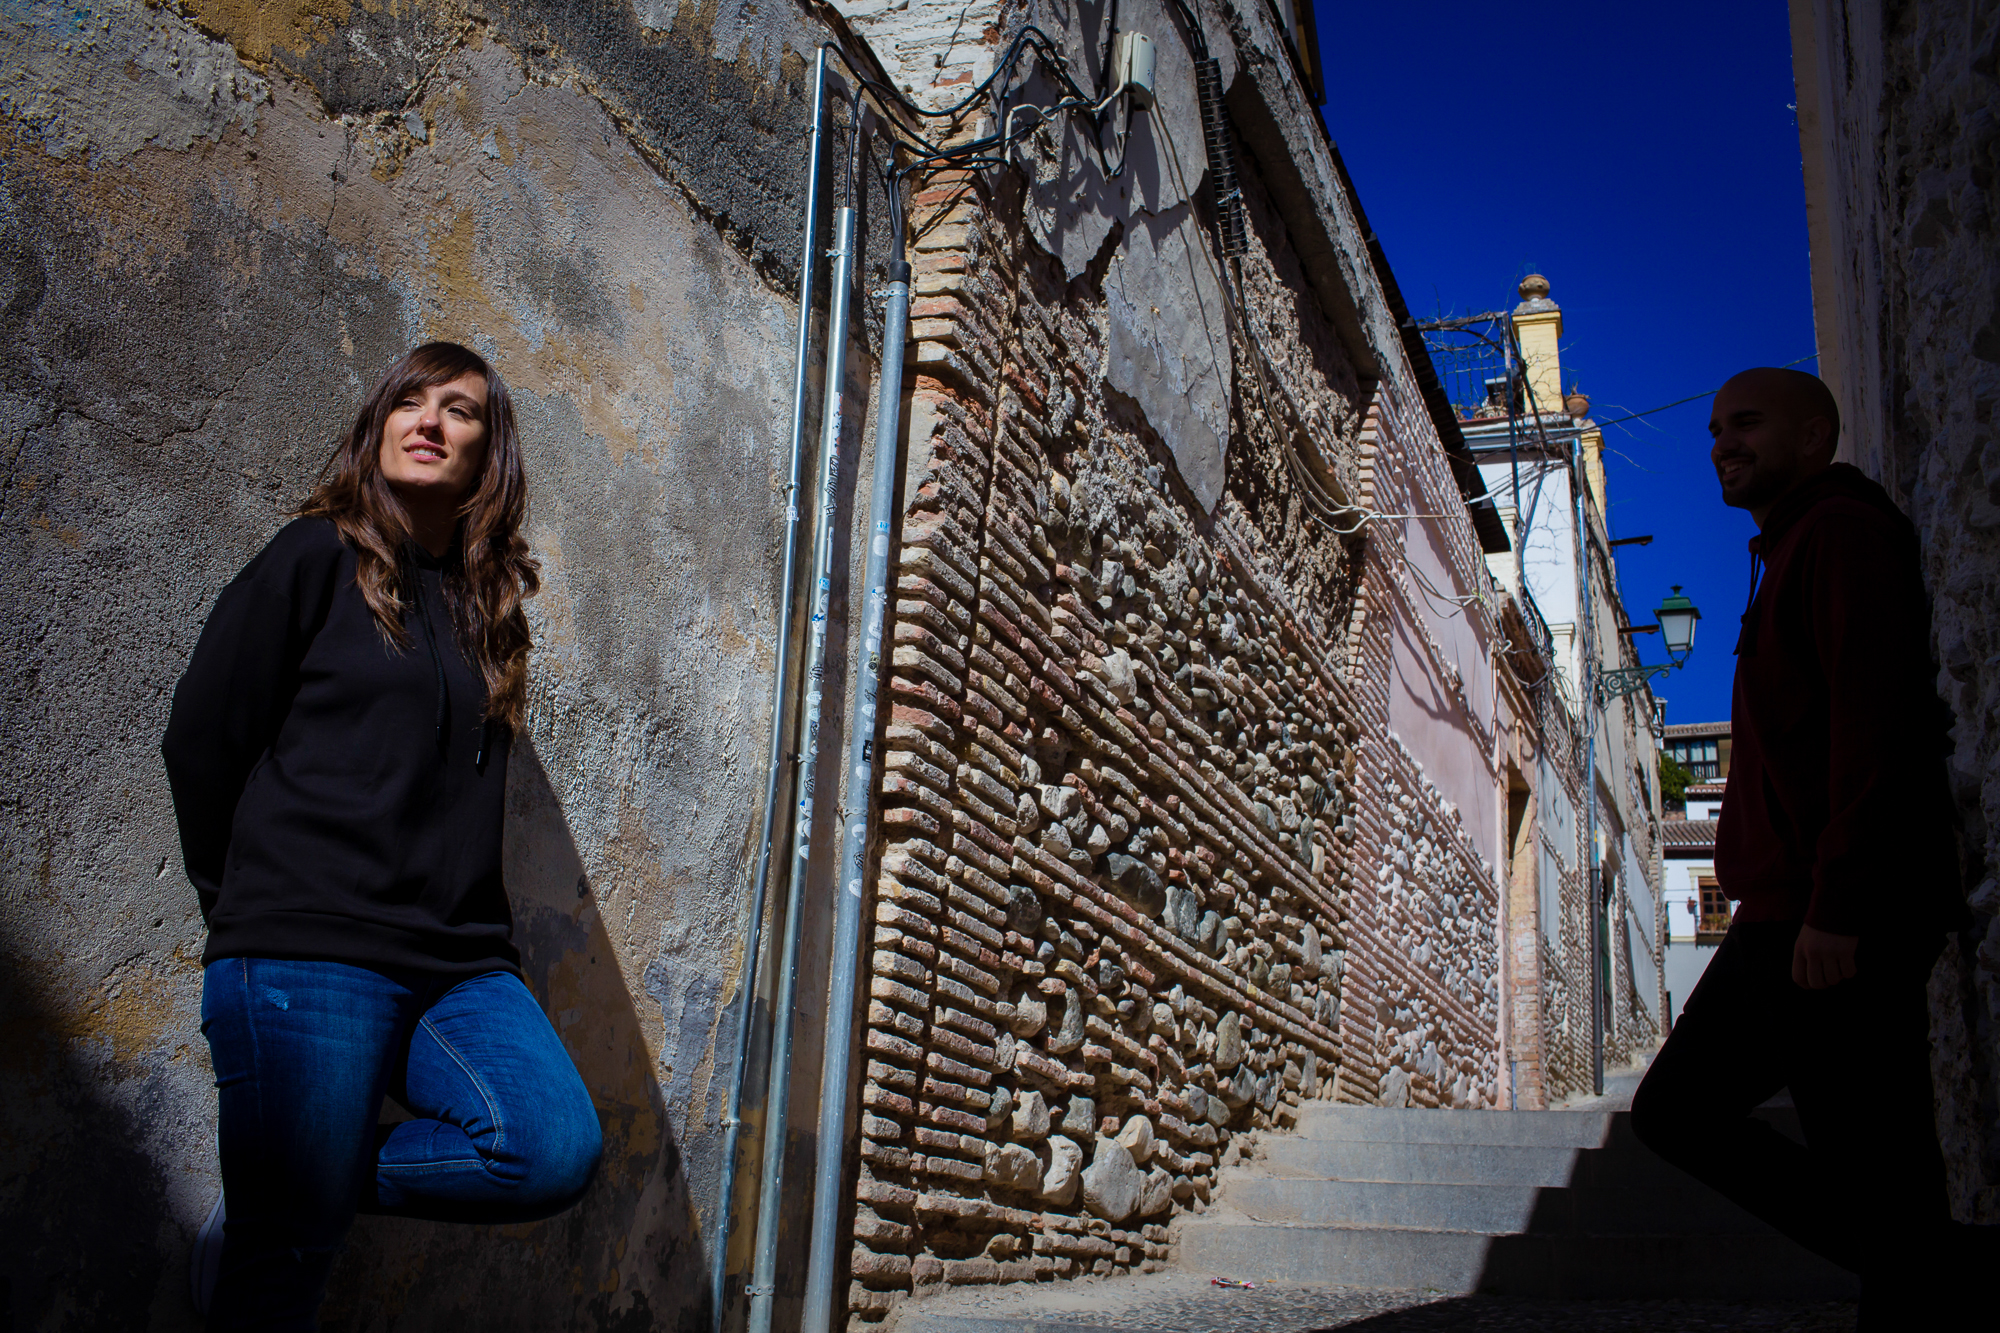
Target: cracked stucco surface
(217, 225)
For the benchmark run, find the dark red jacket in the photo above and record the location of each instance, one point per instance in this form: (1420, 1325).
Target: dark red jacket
(1837, 811)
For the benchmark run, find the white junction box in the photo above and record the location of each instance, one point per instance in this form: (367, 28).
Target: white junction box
(1132, 66)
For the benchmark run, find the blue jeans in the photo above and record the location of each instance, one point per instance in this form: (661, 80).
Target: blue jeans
(304, 1053)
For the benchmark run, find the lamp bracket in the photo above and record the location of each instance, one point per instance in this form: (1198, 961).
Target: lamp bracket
(1621, 681)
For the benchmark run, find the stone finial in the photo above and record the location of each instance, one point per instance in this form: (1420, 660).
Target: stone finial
(1534, 291)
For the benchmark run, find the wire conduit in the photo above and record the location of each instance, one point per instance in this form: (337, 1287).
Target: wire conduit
(746, 990)
(824, 1258)
(763, 1287)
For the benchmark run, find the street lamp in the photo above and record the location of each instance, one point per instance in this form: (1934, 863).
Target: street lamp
(1677, 617)
(1675, 621)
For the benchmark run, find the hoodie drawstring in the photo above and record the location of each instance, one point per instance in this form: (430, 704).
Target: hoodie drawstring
(430, 638)
(441, 716)
(1746, 640)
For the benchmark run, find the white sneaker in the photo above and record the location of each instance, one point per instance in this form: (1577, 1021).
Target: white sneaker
(206, 1261)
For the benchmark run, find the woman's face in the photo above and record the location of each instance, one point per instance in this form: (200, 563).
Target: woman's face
(434, 442)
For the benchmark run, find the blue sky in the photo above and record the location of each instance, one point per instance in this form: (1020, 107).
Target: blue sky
(1646, 160)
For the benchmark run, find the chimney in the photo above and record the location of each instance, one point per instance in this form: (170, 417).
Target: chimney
(1578, 407)
(1538, 322)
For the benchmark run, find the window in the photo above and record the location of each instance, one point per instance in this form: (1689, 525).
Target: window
(1701, 758)
(1713, 923)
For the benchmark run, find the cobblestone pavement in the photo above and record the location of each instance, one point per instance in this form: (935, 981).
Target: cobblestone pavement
(1173, 1303)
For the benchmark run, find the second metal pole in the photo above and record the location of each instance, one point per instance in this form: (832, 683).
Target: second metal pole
(1590, 710)
(746, 986)
(763, 1287)
(835, 1068)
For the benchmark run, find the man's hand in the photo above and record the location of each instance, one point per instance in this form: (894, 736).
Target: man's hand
(1821, 959)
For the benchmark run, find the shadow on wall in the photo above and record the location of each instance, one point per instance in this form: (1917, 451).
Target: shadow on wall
(96, 1235)
(86, 1222)
(627, 1257)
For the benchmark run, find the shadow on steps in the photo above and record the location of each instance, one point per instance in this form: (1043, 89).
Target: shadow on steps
(1628, 1225)
(1563, 1205)
(1500, 1314)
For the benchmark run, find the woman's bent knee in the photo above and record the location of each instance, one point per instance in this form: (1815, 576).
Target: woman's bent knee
(562, 1161)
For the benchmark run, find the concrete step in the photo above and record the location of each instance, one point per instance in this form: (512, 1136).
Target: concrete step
(1519, 1129)
(1422, 1163)
(1492, 1209)
(1620, 1165)
(1573, 1267)
(1501, 1129)
(1152, 1303)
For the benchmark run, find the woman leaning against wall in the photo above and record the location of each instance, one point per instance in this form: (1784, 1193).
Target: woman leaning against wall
(338, 756)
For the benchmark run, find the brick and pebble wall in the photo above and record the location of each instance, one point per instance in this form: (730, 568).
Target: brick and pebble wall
(1426, 898)
(1565, 979)
(1133, 803)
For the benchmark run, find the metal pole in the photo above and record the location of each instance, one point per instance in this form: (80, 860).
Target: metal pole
(763, 1287)
(1514, 461)
(746, 987)
(1588, 657)
(834, 1071)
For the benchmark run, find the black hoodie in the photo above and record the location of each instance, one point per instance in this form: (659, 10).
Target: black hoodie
(338, 798)
(1837, 811)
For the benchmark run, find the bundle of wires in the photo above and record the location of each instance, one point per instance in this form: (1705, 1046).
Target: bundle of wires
(985, 151)
(993, 150)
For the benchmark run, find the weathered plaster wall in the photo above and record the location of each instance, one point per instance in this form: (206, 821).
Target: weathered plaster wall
(217, 225)
(1901, 144)
(1442, 707)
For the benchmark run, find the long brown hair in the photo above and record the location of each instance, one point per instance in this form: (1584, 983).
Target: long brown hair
(490, 573)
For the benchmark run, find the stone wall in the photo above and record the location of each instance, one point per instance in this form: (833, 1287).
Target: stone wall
(1154, 868)
(1901, 142)
(1566, 951)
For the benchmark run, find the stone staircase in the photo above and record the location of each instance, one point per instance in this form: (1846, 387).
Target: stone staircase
(1560, 1204)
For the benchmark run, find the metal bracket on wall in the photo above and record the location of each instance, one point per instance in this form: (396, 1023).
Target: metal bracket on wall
(1621, 681)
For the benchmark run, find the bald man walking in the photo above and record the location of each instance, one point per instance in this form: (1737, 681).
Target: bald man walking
(1836, 842)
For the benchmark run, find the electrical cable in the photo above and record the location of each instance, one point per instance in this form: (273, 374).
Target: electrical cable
(1691, 397)
(1028, 36)
(1318, 504)
(989, 150)
(1322, 507)
(994, 150)
(1110, 43)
